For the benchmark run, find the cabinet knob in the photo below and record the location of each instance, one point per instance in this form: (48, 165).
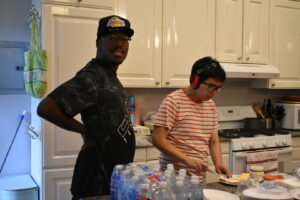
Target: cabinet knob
(157, 83)
(247, 59)
(79, 1)
(239, 58)
(167, 83)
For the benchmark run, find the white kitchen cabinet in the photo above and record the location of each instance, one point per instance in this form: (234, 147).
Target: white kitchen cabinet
(58, 184)
(296, 152)
(146, 154)
(69, 37)
(142, 67)
(284, 45)
(108, 4)
(170, 35)
(285, 37)
(242, 28)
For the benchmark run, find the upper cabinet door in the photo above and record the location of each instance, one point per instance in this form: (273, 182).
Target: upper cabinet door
(285, 37)
(242, 31)
(229, 30)
(142, 67)
(256, 31)
(69, 37)
(107, 4)
(188, 34)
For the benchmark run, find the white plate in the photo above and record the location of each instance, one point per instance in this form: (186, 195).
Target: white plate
(295, 193)
(219, 195)
(259, 194)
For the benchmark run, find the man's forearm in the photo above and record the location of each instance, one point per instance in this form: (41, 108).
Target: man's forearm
(52, 112)
(160, 141)
(215, 152)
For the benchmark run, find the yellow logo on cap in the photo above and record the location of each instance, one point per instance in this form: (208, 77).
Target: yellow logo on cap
(115, 22)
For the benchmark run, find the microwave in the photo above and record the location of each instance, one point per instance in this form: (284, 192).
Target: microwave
(291, 119)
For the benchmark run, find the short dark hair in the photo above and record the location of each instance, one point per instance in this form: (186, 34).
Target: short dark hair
(205, 68)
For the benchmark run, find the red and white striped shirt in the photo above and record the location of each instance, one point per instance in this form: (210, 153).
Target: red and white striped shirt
(190, 126)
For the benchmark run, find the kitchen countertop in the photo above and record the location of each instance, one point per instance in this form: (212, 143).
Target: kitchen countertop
(147, 140)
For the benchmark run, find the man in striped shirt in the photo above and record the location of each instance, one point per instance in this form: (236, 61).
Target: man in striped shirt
(186, 125)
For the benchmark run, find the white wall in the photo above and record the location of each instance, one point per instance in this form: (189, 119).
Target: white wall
(14, 27)
(18, 160)
(13, 20)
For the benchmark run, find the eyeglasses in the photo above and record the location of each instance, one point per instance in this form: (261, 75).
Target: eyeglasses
(212, 87)
(114, 38)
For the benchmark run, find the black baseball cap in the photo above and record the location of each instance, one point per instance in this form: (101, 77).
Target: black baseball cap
(114, 23)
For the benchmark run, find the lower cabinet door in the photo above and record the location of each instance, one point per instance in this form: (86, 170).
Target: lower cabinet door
(140, 154)
(57, 184)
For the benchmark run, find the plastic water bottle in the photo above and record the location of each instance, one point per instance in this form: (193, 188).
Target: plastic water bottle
(115, 180)
(182, 172)
(170, 169)
(170, 166)
(123, 185)
(195, 177)
(196, 191)
(133, 188)
(144, 193)
(179, 191)
(131, 108)
(164, 193)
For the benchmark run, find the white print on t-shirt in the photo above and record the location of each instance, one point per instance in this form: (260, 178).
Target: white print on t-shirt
(123, 129)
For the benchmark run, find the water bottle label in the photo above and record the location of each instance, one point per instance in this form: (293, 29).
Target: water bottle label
(140, 197)
(153, 179)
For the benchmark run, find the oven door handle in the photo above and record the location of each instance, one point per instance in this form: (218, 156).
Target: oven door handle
(282, 151)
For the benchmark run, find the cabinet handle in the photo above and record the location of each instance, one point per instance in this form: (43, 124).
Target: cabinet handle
(247, 59)
(157, 83)
(239, 58)
(167, 83)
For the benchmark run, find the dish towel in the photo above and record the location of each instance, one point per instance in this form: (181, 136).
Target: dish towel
(268, 159)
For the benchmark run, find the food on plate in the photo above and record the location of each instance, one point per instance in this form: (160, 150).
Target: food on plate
(231, 181)
(272, 177)
(243, 177)
(235, 180)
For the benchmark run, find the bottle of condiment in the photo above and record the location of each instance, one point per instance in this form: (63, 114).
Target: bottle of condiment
(256, 172)
(131, 108)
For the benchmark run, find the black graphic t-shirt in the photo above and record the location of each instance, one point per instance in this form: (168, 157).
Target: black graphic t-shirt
(97, 94)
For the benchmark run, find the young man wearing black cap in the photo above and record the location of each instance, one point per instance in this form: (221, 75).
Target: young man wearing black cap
(97, 94)
(186, 125)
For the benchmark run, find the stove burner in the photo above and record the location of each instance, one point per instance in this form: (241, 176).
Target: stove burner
(237, 133)
(229, 133)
